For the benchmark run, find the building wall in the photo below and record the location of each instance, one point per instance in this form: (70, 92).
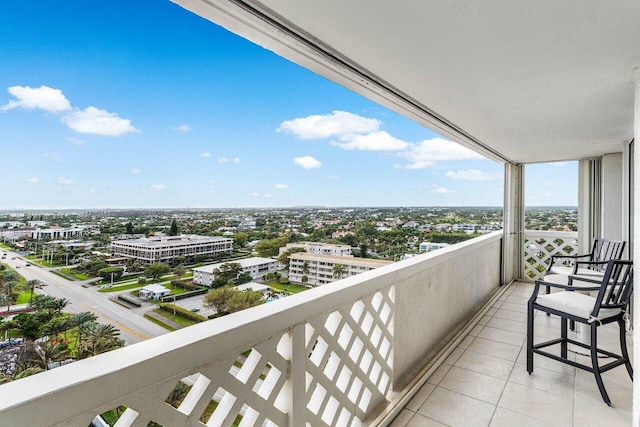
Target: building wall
(321, 267)
(204, 275)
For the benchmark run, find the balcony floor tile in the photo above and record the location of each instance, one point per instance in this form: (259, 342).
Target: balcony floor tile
(484, 381)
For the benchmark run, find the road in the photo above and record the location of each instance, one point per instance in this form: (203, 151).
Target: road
(133, 326)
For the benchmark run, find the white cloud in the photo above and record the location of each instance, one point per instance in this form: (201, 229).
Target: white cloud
(182, 128)
(265, 195)
(429, 151)
(43, 97)
(324, 126)
(77, 142)
(136, 171)
(64, 181)
(205, 155)
(236, 160)
(307, 162)
(374, 141)
(53, 156)
(471, 175)
(98, 122)
(33, 180)
(440, 190)
(281, 186)
(158, 187)
(550, 184)
(223, 160)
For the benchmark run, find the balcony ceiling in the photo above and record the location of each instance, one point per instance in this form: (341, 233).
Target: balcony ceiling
(517, 80)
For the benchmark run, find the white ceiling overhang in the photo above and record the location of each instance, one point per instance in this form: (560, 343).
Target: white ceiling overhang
(516, 80)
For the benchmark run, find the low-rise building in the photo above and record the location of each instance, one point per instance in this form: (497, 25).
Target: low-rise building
(254, 266)
(154, 291)
(319, 248)
(321, 269)
(428, 246)
(154, 249)
(57, 233)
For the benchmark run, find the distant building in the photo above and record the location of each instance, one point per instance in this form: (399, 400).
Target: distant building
(57, 233)
(254, 266)
(320, 248)
(247, 224)
(154, 249)
(319, 269)
(16, 233)
(428, 246)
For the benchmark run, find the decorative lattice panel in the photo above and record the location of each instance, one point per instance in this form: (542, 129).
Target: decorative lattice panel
(350, 361)
(246, 389)
(538, 251)
(345, 356)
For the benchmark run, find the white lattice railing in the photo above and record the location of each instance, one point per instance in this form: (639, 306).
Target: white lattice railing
(332, 356)
(540, 245)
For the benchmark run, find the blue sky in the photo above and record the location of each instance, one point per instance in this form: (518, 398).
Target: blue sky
(114, 104)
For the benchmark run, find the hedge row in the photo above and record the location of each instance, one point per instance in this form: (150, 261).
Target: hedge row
(170, 308)
(169, 298)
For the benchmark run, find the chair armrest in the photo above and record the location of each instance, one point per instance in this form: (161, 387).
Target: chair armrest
(570, 256)
(569, 288)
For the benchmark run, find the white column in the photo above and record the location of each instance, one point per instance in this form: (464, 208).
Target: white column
(513, 228)
(636, 250)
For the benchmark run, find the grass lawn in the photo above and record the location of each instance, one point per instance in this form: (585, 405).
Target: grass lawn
(72, 272)
(122, 287)
(24, 297)
(292, 289)
(177, 318)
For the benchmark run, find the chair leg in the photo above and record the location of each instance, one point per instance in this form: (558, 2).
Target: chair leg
(623, 348)
(594, 364)
(530, 338)
(563, 335)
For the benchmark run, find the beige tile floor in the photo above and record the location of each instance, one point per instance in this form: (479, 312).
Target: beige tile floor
(484, 382)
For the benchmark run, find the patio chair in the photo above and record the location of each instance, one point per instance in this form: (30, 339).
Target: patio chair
(591, 264)
(610, 305)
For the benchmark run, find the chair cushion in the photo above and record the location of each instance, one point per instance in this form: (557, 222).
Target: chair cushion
(560, 269)
(574, 303)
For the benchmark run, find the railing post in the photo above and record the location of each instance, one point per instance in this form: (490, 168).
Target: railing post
(297, 416)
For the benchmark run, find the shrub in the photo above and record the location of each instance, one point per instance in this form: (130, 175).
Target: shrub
(170, 308)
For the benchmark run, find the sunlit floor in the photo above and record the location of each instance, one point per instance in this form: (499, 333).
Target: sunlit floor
(484, 382)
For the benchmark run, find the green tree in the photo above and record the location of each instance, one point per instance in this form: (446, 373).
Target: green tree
(179, 271)
(218, 298)
(157, 270)
(241, 239)
(229, 270)
(129, 228)
(244, 278)
(173, 230)
(111, 273)
(244, 299)
(80, 320)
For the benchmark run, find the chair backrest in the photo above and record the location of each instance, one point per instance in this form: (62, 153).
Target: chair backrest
(606, 250)
(617, 286)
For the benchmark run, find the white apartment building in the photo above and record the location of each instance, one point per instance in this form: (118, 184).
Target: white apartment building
(428, 246)
(320, 248)
(154, 249)
(57, 233)
(319, 269)
(255, 266)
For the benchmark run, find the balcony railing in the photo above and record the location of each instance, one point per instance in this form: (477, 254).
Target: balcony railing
(540, 245)
(337, 355)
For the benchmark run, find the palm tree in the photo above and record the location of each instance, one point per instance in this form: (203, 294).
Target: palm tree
(51, 351)
(56, 326)
(99, 338)
(338, 271)
(32, 285)
(81, 320)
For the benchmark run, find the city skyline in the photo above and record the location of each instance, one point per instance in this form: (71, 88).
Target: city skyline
(101, 109)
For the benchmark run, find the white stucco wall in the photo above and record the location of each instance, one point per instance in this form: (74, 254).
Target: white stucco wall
(612, 201)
